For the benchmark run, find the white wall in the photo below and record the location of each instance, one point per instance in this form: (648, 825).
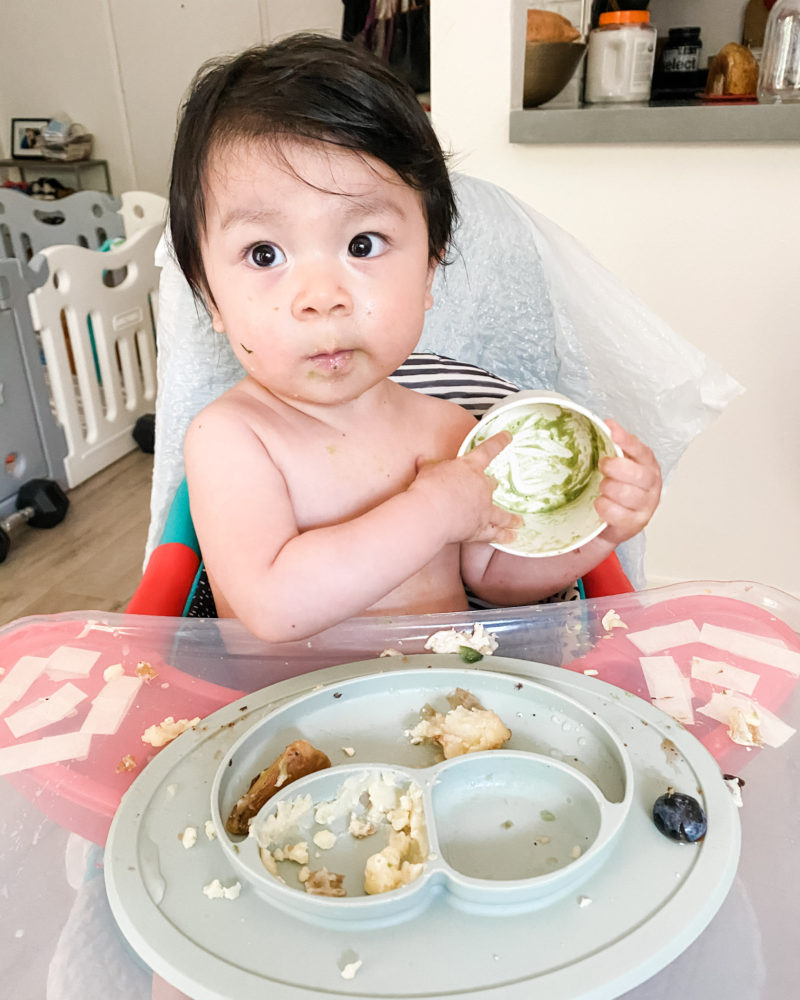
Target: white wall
(707, 236)
(120, 67)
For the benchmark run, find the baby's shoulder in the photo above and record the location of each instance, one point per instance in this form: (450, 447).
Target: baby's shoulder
(437, 425)
(440, 409)
(235, 412)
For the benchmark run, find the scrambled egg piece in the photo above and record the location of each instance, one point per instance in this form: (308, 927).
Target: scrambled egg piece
(450, 641)
(744, 727)
(216, 890)
(166, 731)
(612, 620)
(403, 859)
(325, 883)
(462, 730)
(292, 852)
(390, 868)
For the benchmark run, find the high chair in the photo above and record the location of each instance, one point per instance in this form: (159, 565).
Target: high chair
(519, 299)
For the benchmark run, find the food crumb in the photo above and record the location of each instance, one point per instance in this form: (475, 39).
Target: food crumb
(111, 673)
(165, 732)
(391, 652)
(325, 883)
(210, 829)
(734, 785)
(350, 751)
(324, 839)
(360, 828)
(584, 901)
(450, 641)
(575, 852)
(349, 971)
(145, 671)
(612, 620)
(189, 837)
(292, 852)
(591, 673)
(216, 890)
(128, 763)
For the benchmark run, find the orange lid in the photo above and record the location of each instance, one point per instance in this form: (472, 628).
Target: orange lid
(624, 17)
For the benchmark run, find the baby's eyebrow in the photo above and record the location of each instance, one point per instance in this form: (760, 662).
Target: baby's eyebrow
(353, 206)
(372, 206)
(246, 215)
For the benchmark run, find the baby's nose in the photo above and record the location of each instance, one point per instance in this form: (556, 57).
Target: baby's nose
(321, 291)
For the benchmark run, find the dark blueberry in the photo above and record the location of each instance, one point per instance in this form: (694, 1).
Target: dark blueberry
(679, 817)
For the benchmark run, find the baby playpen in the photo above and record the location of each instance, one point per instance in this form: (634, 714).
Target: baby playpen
(78, 305)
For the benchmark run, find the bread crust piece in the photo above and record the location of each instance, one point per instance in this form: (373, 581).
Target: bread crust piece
(546, 26)
(732, 71)
(297, 760)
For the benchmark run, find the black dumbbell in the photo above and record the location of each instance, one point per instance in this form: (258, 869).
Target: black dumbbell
(41, 503)
(144, 433)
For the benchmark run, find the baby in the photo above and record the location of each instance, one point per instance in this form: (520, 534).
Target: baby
(310, 206)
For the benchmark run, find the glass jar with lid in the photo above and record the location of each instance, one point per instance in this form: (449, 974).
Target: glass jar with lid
(779, 73)
(620, 58)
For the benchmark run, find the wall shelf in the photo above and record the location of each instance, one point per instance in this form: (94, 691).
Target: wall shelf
(35, 167)
(688, 122)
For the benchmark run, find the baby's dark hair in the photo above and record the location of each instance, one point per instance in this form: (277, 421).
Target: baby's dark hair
(306, 87)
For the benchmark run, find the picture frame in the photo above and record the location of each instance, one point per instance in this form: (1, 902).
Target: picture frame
(25, 138)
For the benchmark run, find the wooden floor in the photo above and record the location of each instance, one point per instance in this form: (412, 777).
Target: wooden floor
(93, 559)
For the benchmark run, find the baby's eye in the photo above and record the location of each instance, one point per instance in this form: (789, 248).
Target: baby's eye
(265, 255)
(366, 245)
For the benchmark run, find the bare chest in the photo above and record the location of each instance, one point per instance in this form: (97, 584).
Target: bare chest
(335, 476)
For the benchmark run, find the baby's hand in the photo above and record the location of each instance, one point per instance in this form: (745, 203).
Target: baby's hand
(460, 494)
(630, 488)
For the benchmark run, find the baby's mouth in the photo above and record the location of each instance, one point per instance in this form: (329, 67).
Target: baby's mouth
(334, 361)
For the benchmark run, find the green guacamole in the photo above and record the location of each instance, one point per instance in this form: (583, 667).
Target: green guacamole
(550, 461)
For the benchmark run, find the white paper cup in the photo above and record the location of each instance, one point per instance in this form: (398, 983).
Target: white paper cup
(549, 472)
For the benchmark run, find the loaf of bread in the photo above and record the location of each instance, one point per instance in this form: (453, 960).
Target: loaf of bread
(545, 26)
(732, 72)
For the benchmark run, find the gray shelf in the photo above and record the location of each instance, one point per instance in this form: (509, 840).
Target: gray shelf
(657, 123)
(41, 167)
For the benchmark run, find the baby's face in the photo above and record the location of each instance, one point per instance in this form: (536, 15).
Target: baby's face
(317, 260)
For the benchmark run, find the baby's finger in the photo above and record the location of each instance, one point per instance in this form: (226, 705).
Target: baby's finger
(491, 448)
(634, 488)
(502, 527)
(631, 445)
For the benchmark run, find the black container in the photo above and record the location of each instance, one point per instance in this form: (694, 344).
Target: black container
(678, 71)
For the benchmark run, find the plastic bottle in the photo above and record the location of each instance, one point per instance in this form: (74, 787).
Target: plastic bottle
(779, 75)
(621, 56)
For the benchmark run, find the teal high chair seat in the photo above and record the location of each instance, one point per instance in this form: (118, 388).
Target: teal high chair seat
(520, 299)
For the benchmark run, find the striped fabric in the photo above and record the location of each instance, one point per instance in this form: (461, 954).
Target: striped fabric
(468, 386)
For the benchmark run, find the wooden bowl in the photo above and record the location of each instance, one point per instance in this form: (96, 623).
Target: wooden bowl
(549, 66)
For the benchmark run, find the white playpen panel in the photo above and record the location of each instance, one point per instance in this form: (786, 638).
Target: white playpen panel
(96, 316)
(141, 209)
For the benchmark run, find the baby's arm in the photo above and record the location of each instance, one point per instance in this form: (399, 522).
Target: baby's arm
(287, 584)
(629, 494)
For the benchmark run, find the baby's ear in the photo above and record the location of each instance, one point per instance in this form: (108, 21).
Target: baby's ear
(432, 266)
(216, 318)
